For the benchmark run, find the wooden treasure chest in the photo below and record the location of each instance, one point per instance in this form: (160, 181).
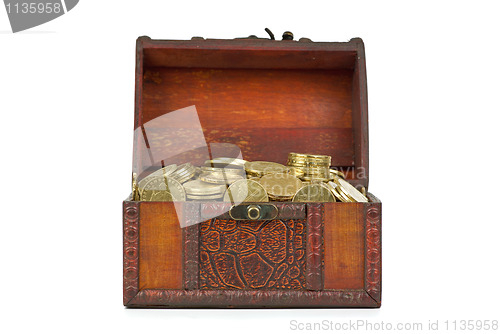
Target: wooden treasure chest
(249, 99)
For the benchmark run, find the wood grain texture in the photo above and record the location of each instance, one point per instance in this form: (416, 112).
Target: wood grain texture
(160, 245)
(266, 113)
(344, 235)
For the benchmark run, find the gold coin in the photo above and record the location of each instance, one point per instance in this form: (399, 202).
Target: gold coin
(239, 170)
(261, 168)
(296, 171)
(301, 158)
(314, 178)
(315, 169)
(319, 157)
(245, 191)
(323, 172)
(158, 196)
(280, 185)
(305, 156)
(162, 172)
(135, 189)
(162, 189)
(225, 162)
(314, 193)
(349, 190)
(280, 199)
(308, 163)
(337, 193)
(219, 178)
(336, 172)
(200, 188)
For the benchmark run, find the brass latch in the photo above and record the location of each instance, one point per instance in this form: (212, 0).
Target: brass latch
(259, 211)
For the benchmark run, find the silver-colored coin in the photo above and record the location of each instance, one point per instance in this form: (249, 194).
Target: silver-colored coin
(184, 169)
(239, 170)
(349, 190)
(204, 198)
(184, 179)
(183, 172)
(200, 188)
(335, 189)
(225, 162)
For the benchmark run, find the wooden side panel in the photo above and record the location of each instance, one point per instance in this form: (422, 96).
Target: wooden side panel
(248, 53)
(373, 277)
(130, 249)
(360, 117)
(160, 247)
(344, 246)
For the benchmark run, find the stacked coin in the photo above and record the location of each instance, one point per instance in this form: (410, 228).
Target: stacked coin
(203, 191)
(310, 166)
(301, 160)
(221, 175)
(183, 172)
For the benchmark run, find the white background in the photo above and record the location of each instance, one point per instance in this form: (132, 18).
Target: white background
(67, 103)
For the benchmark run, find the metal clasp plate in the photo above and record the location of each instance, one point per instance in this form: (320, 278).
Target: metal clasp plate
(255, 211)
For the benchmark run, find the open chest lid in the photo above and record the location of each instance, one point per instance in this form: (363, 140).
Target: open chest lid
(254, 99)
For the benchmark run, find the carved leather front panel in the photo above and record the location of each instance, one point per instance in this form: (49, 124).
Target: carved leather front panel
(253, 254)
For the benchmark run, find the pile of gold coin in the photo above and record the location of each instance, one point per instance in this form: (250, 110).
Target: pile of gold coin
(306, 178)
